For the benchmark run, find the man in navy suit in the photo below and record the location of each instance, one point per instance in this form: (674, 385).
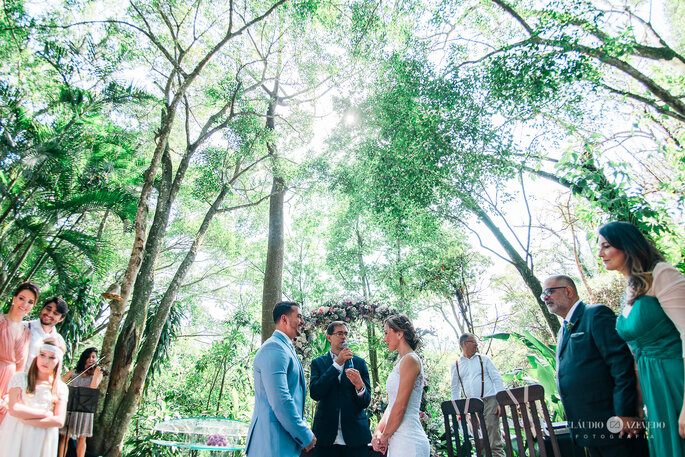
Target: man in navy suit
(595, 374)
(278, 427)
(339, 381)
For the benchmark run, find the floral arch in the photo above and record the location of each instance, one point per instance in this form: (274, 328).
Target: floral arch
(356, 312)
(346, 310)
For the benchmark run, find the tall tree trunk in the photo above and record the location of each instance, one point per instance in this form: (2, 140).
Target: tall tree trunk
(273, 273)
(128, 401)
(117, 308)
(131, 332)
(120, 401)
(518, 262)
(366, 290)
(272, 292)
(140, 232)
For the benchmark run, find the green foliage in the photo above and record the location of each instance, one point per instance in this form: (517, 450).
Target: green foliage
(219, 381)
(65, 161)
(531, 78)
(139, 443)
(424, 130)
(609, 190)
(542, 369)
(143, 446)
(169, 334)
(453, 101)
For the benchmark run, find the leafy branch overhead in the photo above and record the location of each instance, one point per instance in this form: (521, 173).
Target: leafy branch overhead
(577, 41)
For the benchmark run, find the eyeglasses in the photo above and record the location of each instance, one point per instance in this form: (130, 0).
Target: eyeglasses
(548, 292)
(346, 334)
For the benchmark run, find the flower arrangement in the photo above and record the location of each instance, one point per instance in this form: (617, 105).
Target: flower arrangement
(347, 310)
(425, 418)
(379, 402)
(430, 415)
(217, 440)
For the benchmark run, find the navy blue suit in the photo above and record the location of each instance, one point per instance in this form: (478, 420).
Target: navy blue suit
(338, 398)
(596, 380)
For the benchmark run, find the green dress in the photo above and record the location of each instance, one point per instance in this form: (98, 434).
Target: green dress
(656, 343)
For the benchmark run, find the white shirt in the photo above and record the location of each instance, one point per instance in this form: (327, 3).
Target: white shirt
(569, 315)
(37, 337)
(286, 337)
(470, 372)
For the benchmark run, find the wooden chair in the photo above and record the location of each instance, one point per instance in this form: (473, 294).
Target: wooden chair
(524, 404)
(452, 410)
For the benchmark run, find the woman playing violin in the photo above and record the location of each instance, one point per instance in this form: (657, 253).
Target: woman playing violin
(86, 374)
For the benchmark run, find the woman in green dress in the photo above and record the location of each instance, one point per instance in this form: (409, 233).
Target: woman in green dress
(652, 321)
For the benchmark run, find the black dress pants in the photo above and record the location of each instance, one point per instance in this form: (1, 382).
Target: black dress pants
(341, 451)
(632, 447)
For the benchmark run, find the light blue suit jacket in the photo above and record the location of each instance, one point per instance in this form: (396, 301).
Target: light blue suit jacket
(278, 427)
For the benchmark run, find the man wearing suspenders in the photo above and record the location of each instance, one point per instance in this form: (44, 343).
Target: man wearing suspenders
(475, 376)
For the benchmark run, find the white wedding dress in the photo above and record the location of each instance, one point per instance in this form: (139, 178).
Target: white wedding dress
(409, 440)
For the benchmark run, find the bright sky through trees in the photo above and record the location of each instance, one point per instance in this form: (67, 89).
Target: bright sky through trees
(442, 157)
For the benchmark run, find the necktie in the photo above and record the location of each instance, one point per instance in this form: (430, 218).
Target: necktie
(565, 329)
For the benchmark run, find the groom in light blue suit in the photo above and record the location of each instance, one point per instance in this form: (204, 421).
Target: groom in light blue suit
(278, 427)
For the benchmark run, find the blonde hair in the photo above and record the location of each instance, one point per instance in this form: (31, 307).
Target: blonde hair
(33, 372)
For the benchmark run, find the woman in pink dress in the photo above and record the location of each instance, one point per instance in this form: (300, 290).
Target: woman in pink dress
(14, 338)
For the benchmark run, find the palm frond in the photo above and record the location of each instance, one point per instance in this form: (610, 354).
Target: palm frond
(119, 201)
(88, 245)
(166, 338)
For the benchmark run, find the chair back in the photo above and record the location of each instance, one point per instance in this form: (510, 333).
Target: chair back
(525, 405)
(456, 411)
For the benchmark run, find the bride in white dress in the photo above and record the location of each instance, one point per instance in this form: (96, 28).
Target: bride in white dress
(400, 432)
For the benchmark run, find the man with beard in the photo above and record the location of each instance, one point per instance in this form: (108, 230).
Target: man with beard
(595, 374)
(278, 426)
(54, 311)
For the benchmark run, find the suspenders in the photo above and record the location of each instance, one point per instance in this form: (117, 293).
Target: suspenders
(482, 378)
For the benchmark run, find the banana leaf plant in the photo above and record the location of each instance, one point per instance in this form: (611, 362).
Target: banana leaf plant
(542, 370)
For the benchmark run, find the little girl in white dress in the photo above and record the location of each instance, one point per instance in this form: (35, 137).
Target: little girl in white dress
(37, 408)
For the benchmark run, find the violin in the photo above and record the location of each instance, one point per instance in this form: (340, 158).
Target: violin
(90, 371)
